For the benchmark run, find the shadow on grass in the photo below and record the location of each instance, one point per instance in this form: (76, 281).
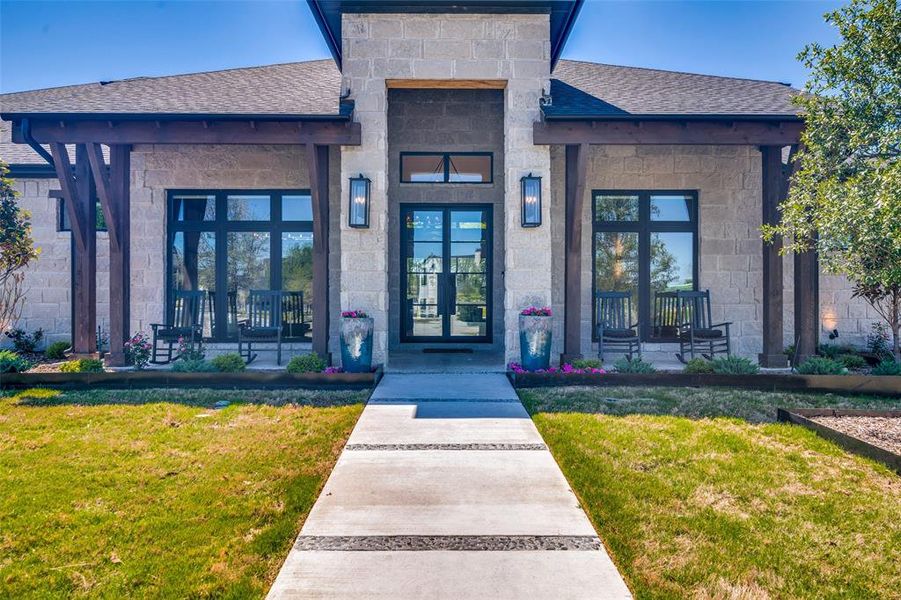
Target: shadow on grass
(693, 403)
(202, 398)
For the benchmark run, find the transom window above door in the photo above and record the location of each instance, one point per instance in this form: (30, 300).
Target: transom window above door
(646, 243)
(446, 167)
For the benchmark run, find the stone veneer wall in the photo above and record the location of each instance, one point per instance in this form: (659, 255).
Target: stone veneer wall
(48, 280)
(515, 48)
(156, 169)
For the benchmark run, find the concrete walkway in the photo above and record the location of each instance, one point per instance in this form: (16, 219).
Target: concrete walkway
(446, 490)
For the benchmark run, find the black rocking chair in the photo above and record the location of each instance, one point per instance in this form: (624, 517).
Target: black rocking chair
(263, 324)
(613, 311)
(186, 322)
(697, 332)
(294, 324)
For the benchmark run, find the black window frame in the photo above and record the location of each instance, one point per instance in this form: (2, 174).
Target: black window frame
(61, 216)
(221, 226)
(446, 159)
(644, 227)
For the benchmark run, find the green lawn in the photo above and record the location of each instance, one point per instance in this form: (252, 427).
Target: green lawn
(693, 503)
(156, 493)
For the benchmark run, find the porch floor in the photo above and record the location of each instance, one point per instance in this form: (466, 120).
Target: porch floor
(417, 361)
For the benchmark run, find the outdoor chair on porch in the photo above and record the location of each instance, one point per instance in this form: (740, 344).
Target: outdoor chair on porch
(263, 324)
(697, 332)
(666, 316)
(613, 311)
(186, 322)
(294, 323)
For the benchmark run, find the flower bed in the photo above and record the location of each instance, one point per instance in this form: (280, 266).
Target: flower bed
(849, 384)
(159, 378)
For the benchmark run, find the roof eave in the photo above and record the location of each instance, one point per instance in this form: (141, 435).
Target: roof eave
(560, 42)
(103, 116)
(787, 117)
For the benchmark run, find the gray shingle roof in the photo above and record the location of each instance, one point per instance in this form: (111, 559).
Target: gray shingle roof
(586, 89)
(304, 88)
(578, 89)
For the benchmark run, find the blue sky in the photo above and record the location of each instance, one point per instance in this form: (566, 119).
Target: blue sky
(52, 43)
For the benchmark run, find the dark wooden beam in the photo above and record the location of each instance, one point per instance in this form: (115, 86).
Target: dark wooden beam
(576, 169)
(773, 193)
(318, 168)
(119, 220)
(807, 304)
(84, 259)
(250, 131)
(68, 191)
(753, 133)
(104, 191)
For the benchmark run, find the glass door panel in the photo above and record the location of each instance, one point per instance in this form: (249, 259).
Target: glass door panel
(247, 269)
(616, 264)
(194, 268)
(446, 274)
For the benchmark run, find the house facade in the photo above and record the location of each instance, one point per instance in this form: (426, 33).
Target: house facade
(495, 176)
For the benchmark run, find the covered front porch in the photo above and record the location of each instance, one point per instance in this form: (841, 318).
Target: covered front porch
(676, 204)
(169, 195)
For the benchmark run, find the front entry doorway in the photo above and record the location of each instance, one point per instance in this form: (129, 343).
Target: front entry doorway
(446, 274)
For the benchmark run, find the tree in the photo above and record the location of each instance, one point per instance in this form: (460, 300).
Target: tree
(845, 196)
(16, 252)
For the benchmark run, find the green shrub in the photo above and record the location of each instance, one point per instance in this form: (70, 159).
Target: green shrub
(10, 362)
(588, 363)
(194, 366)
(734, 365)
(24, 342)
(887, 367)
(82, 365)
(833, 351)
(636, 365)
(698, 365)
(229, 363)
(818, 365)
(852, 361)
(306, 363)
(56, 350)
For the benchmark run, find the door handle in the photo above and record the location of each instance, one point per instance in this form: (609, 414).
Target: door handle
(441, 298)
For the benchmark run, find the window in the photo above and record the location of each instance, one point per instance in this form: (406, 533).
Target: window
(238, 241)
(435, 167)
(645, 242)
(63, 223)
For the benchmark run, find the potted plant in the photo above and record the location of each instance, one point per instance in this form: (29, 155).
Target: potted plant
(535, 338)
(356, 341)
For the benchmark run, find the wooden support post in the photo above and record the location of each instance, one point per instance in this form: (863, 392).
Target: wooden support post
(84, 259)
(576, 168)
(318, 168)
(807, 304)
(113, 192)
(774, 188)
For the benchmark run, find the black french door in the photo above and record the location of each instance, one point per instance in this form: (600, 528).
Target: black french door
(446, 272)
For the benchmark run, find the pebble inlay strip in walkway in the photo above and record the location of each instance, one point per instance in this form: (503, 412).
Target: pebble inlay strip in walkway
(420, 543)
(445, 447)
(413, 400)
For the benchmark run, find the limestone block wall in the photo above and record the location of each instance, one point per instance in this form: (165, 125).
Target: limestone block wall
(514, 48)
(48, 279)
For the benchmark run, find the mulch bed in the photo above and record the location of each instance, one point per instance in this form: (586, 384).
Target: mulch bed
(884, 432)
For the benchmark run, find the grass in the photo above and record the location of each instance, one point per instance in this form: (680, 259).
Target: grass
(693, 503)
(156, 493)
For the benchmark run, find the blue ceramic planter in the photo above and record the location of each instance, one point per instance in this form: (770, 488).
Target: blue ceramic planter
(356, 344)
(535, 342)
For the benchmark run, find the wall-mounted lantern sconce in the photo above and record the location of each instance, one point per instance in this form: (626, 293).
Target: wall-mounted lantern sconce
(531, 200)
(358, 216)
